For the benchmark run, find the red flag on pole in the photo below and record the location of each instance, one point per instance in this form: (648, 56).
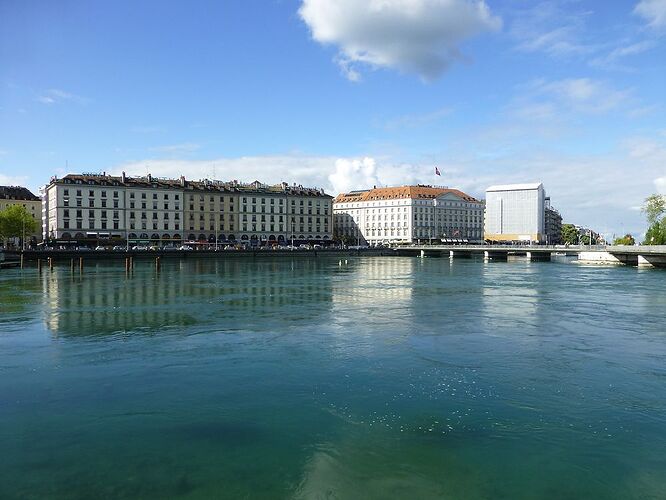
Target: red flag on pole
(437, 172)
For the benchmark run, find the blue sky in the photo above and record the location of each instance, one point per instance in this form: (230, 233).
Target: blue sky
(345, 94)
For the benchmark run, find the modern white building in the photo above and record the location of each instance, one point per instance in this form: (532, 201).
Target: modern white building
(515, 212)
(407, 214)
(98, 208)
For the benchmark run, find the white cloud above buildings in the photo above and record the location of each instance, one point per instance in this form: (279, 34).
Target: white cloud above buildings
(653, 12)
(53, 96)
(412, 36)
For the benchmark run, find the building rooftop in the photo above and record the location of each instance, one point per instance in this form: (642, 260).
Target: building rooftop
(402, 192)
(515, 187)
(17, 193)
(150, 181)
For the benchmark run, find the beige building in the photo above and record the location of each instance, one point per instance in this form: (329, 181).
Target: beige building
(100, 209)
(18, 195)
(408, 214)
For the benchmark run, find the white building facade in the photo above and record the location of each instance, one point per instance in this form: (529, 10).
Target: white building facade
(515, 213)
(407, 214)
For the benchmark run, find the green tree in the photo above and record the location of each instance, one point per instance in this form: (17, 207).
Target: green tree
(654, 208)
(569, 234)
(16, 222)
(655, 213)
(656, 234)
(627, 239)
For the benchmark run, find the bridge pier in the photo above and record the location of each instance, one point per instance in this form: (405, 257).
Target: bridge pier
(538, 256)
(497, 256)
(460, 254)
(647, 261)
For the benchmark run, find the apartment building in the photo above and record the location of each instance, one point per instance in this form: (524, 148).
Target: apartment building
(19, 195)
(94, 208)
(408, 214)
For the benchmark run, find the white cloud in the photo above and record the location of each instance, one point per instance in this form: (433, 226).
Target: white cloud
(415, 36)
(53, 96)
(581, 94)
(312, 171)
(13, 180)
(652, 11)
(553, 29)
(660, 183)
(353, 174)
(613, 60)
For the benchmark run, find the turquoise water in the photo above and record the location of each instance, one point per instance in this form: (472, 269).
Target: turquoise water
(376, 377)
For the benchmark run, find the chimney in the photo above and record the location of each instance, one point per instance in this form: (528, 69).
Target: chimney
(150, 178)
(182, 181)
(123, 178)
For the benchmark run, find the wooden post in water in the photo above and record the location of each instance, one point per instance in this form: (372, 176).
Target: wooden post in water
(127, 264)
(50, 263)
(39, 265)
(71, 265)
(157, 264)
(80, 264)
(21, 260)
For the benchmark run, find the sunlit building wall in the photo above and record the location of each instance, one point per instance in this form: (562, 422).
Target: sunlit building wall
(515, 212)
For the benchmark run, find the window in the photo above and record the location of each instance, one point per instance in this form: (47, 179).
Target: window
(154, 196)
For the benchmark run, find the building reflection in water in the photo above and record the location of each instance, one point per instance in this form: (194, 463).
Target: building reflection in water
(220, 295)
(512, 296)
